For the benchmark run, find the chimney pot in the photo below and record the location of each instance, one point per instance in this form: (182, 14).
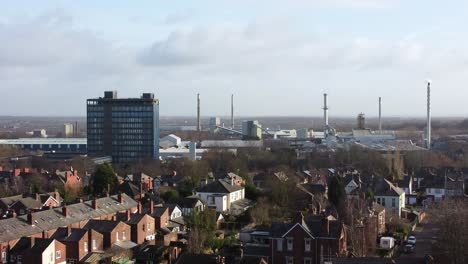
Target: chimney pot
(120, 197)
(151, 206)
(65, 211)
(128, 215)
(139, 207)
(94, 204)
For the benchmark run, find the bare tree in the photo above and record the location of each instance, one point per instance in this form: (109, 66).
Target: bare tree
(452, 218)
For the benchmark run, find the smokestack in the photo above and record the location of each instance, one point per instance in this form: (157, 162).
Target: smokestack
(428, 132)
(232, 110)
(380, 114)
(198, 114)
(325, 109)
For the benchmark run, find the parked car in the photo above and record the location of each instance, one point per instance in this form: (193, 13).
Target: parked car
(409, 248)
(411, 240)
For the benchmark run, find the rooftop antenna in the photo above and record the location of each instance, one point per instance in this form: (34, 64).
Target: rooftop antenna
(428, 127)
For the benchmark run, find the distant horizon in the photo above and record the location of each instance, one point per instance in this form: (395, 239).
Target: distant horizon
(236, 118)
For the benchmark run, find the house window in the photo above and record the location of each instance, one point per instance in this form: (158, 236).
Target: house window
(383, 202)
(307, 244)
(51, 256)
(438, 191)
(378, 200)
(148, 226)
(279, 244)
(124, 235)
(117, 236)
(211, 199)
(290, 243)
(85, 246)
(380, 220)
(3, 255)
(58, 254)
(393, 202)
(94, 244)
(289, 260)
(307, 261)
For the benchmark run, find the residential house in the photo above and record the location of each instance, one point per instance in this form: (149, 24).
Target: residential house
(112, 231)
(172, 180)
(389, 196)
(191, 204)
(134, 191)
(79, 242)
(142, 226)
(221, 195)
(45, 223)
(161, 216)
(231, 177)
(351, 182)
(70, 179)
(157, 254)
(25, 203)
(142, 179)
(176, 220)
(45, 251)
(308, 240)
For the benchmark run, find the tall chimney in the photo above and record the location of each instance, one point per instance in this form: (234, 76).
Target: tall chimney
(380, 114)
(198, 115)
(232, 110)
(325, 110)
(428, 131)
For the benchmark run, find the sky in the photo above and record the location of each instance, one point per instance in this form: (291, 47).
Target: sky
(276, 57)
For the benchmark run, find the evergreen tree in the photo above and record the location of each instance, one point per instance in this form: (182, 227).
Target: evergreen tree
(104, 178)
(336, 192)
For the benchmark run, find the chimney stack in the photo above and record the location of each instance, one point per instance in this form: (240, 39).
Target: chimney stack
(380, 114)
(325, 110)
(94, 204)
(198, 116)
(151, 207)
(428, 128)
(65, 211)
(139, 207)
(128, 215)
(120, 197)
(232, 111)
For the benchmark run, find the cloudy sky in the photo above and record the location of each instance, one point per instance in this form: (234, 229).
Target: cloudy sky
(277, 57)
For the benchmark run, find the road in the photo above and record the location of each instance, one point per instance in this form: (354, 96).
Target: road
(425, 235)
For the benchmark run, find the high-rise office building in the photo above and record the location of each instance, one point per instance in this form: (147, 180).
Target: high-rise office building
(125, 128)
(68, 130)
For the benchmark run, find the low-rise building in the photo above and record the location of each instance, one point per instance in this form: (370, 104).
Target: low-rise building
(220, 195)
(389, 196)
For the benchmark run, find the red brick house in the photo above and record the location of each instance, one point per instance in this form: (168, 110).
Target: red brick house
(307, 240)
(112, 231)
(45, 251)
(79, 242)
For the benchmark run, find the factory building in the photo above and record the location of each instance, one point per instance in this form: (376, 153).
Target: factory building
(126, 129)
(68, 130)
(251, 130)
(75, 145)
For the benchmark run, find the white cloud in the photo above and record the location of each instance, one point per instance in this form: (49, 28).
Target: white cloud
(272, 68)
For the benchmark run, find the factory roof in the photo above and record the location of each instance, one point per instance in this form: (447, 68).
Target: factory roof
(231, 143)
(391, 145)
(45, 141)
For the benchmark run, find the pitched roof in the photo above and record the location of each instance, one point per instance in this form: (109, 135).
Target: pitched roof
(386, 188)
(128, 188)
(219, 186)
(40, 244)
(197, 258)
(159, 211)
(102, 226)
(189, 202)
(14, 228)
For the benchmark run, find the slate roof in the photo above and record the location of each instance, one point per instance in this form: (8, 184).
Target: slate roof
(314, 188)
(386, 188)
(312, 224)
(102, 226)
(136, 177)
(40, 244)
(128, 188)
(28, 203)
(219, 186)
(14, 228)
(159, 211)
(76, 234)
(189, 202)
